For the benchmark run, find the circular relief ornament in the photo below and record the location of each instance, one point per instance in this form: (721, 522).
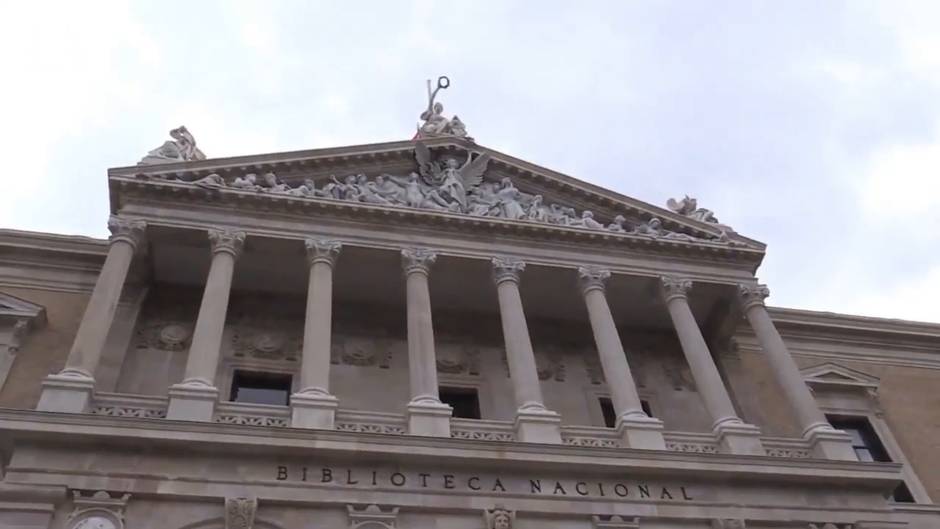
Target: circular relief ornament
(267, 344)
(173, 336)
(97, 521)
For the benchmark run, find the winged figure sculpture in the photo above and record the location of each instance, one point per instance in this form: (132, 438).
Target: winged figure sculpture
(452, 180)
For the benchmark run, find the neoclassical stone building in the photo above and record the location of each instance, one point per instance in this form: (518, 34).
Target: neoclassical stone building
(431, 334)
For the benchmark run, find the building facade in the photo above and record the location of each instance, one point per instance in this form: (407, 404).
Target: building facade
(427, 334)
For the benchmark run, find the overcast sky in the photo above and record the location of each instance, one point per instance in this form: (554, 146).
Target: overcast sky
(811, 126)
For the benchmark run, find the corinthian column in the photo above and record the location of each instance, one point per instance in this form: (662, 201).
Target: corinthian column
(534, 422)
(70, 390)
(637, 430)
(194, 399)
(427, 415)
(734, 435)
(827, 442)
(313, 406)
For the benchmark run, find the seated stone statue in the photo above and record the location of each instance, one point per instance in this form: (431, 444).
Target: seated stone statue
(181, 149)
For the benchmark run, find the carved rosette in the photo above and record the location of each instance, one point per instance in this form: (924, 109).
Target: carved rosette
(240, 513)
(164, 335)
(417, 260)
(751, 295)
(593, 278)
(228, 241)
(507, 269)
(322, 251)
(126, 230)
(675, 287)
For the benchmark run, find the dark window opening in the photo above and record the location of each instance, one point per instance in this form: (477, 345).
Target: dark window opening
(864, 439)
(464, 401)
(261, 388)
(902, 494)
(610, 416)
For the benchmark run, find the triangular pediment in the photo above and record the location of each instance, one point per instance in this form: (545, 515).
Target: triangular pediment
(436, 176)
(16, 309)
(832, 374)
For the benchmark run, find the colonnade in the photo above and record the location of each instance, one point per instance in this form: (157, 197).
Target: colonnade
(313, 406)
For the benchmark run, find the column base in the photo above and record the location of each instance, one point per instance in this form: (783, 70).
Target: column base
(736, 437)
(69, 391)
(828, 443)
(537, 424)
(192, 401)
(313, 409)
(641, 432)
(429, 417)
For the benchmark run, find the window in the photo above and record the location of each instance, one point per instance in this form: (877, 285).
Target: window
(465, 401)
(610, 416)
(868, 447)
(261, 388)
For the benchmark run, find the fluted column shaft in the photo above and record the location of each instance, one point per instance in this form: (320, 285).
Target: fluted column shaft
(620, 381)
(704, 371)
(422, 361)
(519, 354)
(203, 361)
(92, 332)
(318, 321)
(784, 369)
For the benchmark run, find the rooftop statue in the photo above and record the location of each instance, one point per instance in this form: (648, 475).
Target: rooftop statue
(688, 207)
(181, 149)
(435, 124)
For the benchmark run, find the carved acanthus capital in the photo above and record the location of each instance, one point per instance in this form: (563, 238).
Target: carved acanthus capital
(752, 294)
(240, 513)
(417, 260)
(507, 269)
(229, 241)
(675, 287)
(593, 277)
(130, 231)
(322, 251)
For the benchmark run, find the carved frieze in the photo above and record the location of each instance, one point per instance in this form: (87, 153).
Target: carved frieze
(164, 335)
(458, 359)
(266, 343)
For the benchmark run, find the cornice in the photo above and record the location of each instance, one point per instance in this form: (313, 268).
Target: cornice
(354, 157)
(52, 242)
(849, 323)
(70, 429)
(132, 189)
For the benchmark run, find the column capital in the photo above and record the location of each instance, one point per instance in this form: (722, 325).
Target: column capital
(675, 287)
(507, 269)
(418, 260)
(593, 278)
(130, 231)
(228, 241)
(322, 251)
(752, 294)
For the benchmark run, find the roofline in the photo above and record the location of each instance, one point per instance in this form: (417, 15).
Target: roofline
(851, 323)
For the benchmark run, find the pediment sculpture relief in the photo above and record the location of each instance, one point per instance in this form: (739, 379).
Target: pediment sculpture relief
(453, 184)
(181, 149)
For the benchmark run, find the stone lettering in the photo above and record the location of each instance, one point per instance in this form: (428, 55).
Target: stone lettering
(600, 488)
(449, 481)
(621, 490)
(473, 483)
(398, 479)
(498, 485)
(581, 488)
(326, 475)
(644, 491)
(535, 485)
(558, 487)
(685, 495)
(665, 494)
(349, 479)
(303, 474)
(424, 479)
(281, 473)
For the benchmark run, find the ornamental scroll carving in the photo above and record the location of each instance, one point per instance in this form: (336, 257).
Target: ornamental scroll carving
(240, 513)
(372, 517)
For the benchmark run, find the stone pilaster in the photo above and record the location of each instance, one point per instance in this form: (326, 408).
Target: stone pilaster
(71, 389)
(195, 397)
(636, 428)
(734, 435)
(534, 422)
(313, 406)
(427, 415)
(826, 441)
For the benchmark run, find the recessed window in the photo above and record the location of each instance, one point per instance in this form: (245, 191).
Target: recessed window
(610, 416)
(868, 447)
(464, 401)
(257, 387)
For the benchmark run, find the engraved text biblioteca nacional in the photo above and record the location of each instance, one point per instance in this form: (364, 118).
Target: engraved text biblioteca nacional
(365, 478)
